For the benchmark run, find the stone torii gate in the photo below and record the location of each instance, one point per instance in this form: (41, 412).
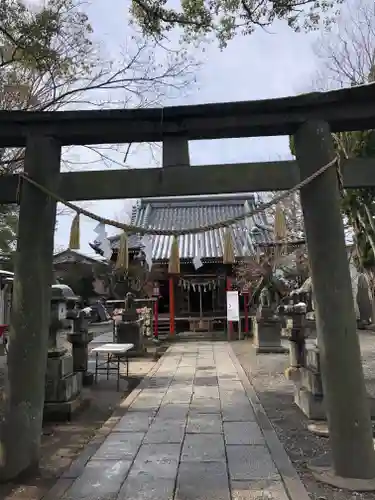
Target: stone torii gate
(309, 117)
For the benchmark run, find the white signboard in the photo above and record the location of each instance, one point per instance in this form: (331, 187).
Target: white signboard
(233, 307)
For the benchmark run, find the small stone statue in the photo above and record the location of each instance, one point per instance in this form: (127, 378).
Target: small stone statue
(265, 297)
(129, 301)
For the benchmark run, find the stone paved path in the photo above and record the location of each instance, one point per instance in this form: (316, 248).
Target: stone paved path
(191, 433)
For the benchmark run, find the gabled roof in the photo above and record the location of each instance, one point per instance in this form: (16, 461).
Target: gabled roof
(193, 211)
(69, 255)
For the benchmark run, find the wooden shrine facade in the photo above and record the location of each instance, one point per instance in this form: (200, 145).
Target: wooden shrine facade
(310, 118)
(199, 290)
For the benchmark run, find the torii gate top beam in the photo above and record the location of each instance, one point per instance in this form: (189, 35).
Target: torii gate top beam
(344, 110)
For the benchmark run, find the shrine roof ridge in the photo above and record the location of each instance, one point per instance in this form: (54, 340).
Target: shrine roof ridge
(344, 109)
(207, 199)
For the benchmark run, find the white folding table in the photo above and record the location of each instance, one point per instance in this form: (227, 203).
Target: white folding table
(115, 355)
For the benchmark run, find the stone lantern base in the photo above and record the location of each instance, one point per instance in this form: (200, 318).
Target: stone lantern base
(62, 388)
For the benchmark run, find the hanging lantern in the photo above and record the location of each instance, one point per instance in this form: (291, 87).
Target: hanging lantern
(122, 261)
(74, 233)
(174, 258)
(228, 250)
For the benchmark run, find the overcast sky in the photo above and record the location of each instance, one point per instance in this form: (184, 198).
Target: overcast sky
(263, 65)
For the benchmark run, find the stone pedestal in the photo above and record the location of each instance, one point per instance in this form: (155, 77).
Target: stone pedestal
(267, 333)
(308, 394)
(130, 331)
(63, 387)
(297, 343)
(80, 341)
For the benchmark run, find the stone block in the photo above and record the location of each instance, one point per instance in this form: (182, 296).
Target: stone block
(243, 433)
(312, 406)
(100, 480)
(311, 381)
(59, 367)
(63, 389)
(120, 446)
(165, 431)
(267, 337)
(204, 424)
(157, 460)
(146, 487)
(313, 359)
(63, 411)
(202, 481)
(203, 448)
(248, 463)
(262, 489)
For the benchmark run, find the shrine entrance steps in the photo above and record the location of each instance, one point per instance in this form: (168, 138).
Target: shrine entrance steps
(194, 429)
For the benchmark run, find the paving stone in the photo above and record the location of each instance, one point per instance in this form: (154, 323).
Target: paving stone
(158, 460)
(207, 392)
(101, 480)
(202, 481)
(206, 381)
(173, 411)
(203, 448)
(120, 446)
(146, 404)
(142, 486)
(258, 490)
(237, 413)
(159, 381)
(234, 397)
(230, 385)
(205, 405)
(166, 431)
(204, 423)
(250, 462)
(134, 422)
(243, 433)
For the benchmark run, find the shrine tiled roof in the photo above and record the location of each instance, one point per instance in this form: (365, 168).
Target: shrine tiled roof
(193, 211)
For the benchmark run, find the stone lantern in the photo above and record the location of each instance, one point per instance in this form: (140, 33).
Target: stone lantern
(63, 385)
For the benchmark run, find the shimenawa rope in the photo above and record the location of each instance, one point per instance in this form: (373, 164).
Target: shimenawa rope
(178, 232)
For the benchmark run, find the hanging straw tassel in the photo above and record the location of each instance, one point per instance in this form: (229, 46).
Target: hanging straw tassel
(174, 258)
(74, 233)
(280, 224)
(280, 229)
(228, 250)
(122, 261)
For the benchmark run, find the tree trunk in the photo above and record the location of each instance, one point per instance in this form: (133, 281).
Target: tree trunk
(27, 358)
(343, 381)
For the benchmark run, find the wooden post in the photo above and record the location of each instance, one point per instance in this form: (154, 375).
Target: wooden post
(343, 381)
(230, 323)
(172, 329)
(156, 317)
(27, 358)
(175, 153)
(246, 307)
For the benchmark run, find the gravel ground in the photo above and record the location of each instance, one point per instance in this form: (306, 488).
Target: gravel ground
(266, 373)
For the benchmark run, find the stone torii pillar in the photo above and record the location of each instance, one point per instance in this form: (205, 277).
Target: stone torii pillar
(27, 358)
(343, 380)
(175, 154)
